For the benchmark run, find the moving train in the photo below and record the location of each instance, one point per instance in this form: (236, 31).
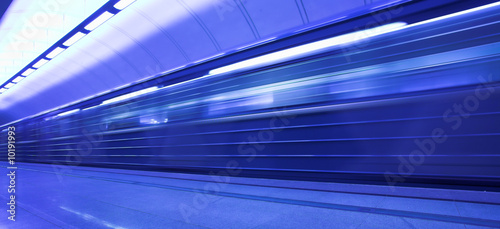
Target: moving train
(399, 104)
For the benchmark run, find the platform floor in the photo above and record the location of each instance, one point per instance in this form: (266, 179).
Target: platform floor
(49, 196)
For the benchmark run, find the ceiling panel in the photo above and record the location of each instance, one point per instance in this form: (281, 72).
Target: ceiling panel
(273, 17)
(321, 10)
(226, 23)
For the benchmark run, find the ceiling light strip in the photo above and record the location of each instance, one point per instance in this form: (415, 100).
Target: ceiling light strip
(55, 51)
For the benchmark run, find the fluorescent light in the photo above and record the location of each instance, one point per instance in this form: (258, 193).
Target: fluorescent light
(55, 52)
(2, 90)
(129, 95)
(28, 72)
(68, 112)
(92, 107)
(99, 20)
(40, 63)
(19, 78)
(9, 85)
(308, 49)
(123, 4)
(74, 39)
(50, 118)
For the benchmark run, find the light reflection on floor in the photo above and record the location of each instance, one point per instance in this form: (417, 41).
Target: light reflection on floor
(83, 197)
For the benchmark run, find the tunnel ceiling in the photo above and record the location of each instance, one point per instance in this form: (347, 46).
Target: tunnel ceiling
(150, 37)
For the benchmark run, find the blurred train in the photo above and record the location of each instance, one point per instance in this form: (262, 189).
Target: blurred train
(417, 104)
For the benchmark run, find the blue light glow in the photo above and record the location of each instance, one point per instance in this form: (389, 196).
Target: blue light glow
(130, 95)
(322, 45)
(317, 141)
(455, 14)
(68, 112)
(92, 107)
(307, 49)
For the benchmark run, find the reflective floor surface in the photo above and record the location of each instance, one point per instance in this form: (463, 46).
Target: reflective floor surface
(49, 196)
